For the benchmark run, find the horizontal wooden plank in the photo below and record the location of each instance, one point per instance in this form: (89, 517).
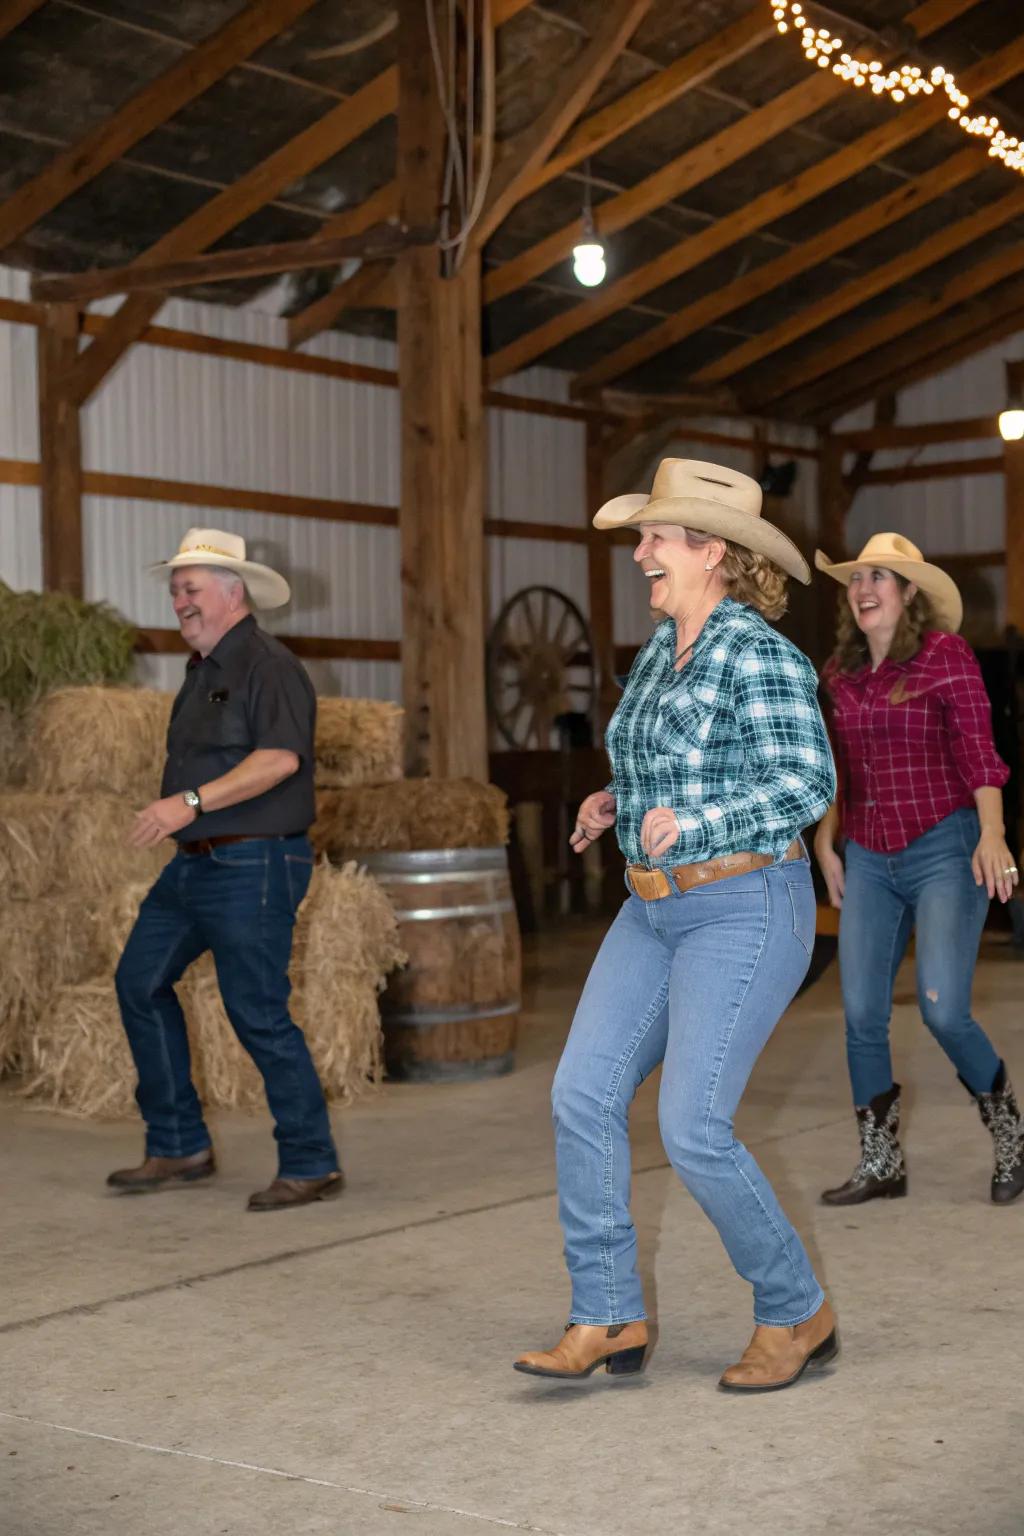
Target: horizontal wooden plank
(941, 469)
(555, 533)
(19, 472)
(964, 429)
(168, 642)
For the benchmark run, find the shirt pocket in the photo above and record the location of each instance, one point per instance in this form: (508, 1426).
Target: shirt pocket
(684, 724)
(220, 722)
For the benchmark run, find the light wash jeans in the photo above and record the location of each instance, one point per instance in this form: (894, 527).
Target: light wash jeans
(698, 982)
(927, 887)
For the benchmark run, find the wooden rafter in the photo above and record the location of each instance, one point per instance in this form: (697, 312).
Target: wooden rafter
(521, 157)
(866, 340)
(905, 199)
(602, 127)
(14, 12)
(875, 281)
(966, 429)
(193, 74)
(705, 160)
(382, 243)
(923, 354)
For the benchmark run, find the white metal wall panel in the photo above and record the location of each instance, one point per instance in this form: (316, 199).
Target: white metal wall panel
(536, 468)
(518, 563)
(354, 679)
(21, 560)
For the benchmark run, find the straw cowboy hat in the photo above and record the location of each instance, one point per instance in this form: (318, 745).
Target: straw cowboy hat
(226, 551)
(892, 552)
(709, 499)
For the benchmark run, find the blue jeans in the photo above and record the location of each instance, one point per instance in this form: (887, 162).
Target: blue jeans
(239, 901)
(697, 981)
(928, 887)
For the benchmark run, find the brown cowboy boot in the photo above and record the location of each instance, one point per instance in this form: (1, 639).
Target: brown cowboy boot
(777, 1357)
(620, 1347)
(284, 1194)
(163, 1173)
(881, 1173)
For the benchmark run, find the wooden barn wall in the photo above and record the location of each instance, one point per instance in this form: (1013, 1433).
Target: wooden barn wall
(961, 515)
(184, 416)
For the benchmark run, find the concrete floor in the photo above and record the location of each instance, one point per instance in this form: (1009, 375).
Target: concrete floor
(174, 1366)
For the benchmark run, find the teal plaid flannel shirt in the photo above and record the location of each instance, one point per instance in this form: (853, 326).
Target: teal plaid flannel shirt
(734, 743)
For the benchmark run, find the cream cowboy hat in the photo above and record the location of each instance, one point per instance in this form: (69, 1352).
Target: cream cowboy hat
(892, 552)
(709, 499)
(226, 551)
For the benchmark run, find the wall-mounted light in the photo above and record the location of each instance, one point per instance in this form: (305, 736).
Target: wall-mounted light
(588, 263)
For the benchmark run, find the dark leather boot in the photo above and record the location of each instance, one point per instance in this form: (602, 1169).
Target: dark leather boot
(1002, 1119)
(620, 1347)
(163, 1173)
(283, 1194)
(881, 1173)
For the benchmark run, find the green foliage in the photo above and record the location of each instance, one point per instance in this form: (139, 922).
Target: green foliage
(50, 640)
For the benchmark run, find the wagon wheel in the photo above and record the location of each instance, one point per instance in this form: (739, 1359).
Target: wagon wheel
(539, 666)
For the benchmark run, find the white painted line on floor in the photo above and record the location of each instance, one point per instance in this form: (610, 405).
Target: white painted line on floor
(399, 1502)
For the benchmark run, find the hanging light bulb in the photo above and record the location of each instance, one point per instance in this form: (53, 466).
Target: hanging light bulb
(588, 263)
(1011, 425)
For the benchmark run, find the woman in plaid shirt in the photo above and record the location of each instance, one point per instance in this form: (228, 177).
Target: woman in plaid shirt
(720, 759)
(925, 846)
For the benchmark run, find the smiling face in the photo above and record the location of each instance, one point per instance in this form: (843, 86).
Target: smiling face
(675, 570)
(205, 606)
(877, 599)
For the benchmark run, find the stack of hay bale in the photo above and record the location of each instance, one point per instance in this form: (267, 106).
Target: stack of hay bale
(74, 772)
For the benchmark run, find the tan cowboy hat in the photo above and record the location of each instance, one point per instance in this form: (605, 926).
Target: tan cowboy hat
(226, 551)
(892, 552)
(709, 499)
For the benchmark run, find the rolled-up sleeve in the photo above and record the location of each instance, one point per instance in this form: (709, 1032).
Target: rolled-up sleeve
(787, 780)
(968, 718)
(282, 709)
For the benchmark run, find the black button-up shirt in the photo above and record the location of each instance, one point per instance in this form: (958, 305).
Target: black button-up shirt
(249, 694)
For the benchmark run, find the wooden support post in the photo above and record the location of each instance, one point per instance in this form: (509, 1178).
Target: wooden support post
(441, 518)
(60, 451)
(599, 579)
(833, 505)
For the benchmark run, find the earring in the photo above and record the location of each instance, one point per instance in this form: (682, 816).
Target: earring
(709, 566)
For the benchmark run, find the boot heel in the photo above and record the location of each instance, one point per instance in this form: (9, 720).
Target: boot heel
(827, 1350)
(897, 1189)
(627, 1362)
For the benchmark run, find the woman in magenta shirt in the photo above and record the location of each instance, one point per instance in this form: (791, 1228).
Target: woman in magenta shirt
(925, 848)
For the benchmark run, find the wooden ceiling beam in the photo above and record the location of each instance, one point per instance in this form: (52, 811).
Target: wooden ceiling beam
(866, 340)
(521, 157)
(903, 200)
(922, 355)
(875, 281)
(742, 139)
(921, 434)
(194, 73)
(698, 164)
(14, 12)
(382, 243)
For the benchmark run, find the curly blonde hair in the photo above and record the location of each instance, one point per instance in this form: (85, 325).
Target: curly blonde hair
(749, 578)
(851, 652)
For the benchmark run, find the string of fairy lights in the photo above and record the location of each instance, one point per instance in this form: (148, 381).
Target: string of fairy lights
(901, 82)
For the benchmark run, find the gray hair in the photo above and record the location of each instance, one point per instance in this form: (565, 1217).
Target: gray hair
(229, 580)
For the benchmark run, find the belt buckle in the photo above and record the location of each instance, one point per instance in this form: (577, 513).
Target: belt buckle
(648, 884)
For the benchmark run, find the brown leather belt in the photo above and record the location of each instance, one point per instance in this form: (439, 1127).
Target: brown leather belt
(654, 884)
(207, 844)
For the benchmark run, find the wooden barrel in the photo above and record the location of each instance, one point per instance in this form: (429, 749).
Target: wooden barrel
(452, 1013)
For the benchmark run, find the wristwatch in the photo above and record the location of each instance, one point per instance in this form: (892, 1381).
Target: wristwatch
(192, 800)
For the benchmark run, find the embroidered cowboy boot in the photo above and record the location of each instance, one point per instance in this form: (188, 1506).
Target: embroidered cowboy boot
(881, 1173)
(620, 1347)
(1002, 1119)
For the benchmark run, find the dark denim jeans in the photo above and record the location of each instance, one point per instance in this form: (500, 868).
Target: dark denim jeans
(239, 901)
(928, 888)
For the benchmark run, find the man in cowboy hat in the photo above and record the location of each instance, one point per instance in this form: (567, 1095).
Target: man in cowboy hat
(237, 797)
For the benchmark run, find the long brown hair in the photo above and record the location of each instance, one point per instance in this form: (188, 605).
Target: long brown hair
(748, 577)
(851, 652)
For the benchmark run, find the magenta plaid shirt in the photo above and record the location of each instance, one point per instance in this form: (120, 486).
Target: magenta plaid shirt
(913, 742)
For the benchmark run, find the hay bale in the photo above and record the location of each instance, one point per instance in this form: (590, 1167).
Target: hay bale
(346, 941)
(12, 747)
(47, 944)
(358, 741)
(100, 740)
(412, 814)
(54, 844)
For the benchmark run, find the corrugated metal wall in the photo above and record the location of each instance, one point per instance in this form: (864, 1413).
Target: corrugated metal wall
(179, 415)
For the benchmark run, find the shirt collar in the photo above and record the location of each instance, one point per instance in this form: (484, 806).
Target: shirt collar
(719, 616)
(235, 636)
